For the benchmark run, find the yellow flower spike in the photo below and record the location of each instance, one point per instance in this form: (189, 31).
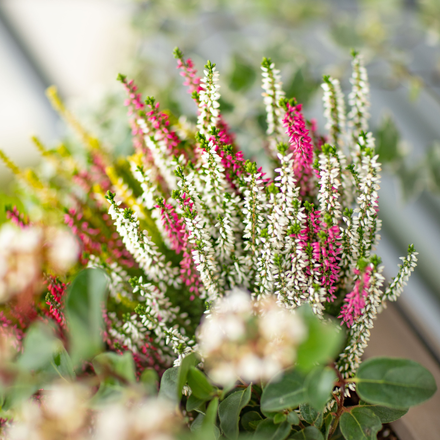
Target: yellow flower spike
(11, 165)
(124, 192)
(126, 302)
(89, 141)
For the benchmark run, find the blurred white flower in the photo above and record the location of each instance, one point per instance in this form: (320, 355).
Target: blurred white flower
(248, 339)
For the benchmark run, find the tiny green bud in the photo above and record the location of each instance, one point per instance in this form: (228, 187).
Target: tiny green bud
(282, 148)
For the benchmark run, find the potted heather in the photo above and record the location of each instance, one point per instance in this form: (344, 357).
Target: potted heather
(250, 293)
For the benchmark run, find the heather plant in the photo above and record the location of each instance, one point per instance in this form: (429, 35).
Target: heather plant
(277, 265)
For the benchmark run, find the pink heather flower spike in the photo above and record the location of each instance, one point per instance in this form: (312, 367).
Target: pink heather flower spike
(16, 217)
(355, 300)
(300, 144)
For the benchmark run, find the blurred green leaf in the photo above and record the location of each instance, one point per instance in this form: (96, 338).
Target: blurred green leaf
(187, 362)
(269, 430)
(319, 384)
(395, 383)
(229, 411)
(169, 383)
(150, 381)
(302, 86)
(85, 299)
(360, 424)
(120, 365)
(199, 384)
(309, 433)
(39, 347)
(323, 343)
(293, 418)
(387, 141)
(194, 403)
(285, 390)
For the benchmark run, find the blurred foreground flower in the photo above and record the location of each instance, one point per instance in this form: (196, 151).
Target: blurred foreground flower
(250, 339)
(25, 253)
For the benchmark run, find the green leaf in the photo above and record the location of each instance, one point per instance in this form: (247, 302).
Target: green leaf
(150, 381)
(267, 429)
(323, 341)
(61, 365)
(360, 424)
(248, 420)
(187, 362)
(293, 418)
(309, 433)
(387, 141)
(168, 384)
(211, 413)
(279, 417)
(199, 384)
(114, 364)
(201, 432)
(386, 415)
(39, 347)
(229, 411)
(194, 403)
(302, 85)
(286, 390)
(310, 415)
(84, 302)
(319, 384)
(394, 383)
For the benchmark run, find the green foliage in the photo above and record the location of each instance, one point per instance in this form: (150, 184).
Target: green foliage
(308, 433)
(84, 302)
(169, 384)
(119, 366)
(386, 415)
(395, 383)
(360, 424)
(230, 409)
(319, 385)
(199, 384)
(269, 430)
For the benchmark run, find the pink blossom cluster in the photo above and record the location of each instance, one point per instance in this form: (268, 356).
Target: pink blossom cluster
(94, 241)
(57, 290)
(17, 217)
(300, 144)
(355, 300)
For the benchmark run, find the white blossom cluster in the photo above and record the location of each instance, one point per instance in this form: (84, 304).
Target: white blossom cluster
(208, 100)
(64, 413)
(26, 252)
(359, 98)
(273, 92)
(334, 111)
(142, 247)
(249, 339)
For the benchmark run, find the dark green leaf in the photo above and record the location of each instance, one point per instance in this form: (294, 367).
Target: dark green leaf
(85, 299)
(293, 418)
(150, 381)
(387, 141)
(360, 424)
(386, 415)
(279, 417)
(121, 367)
(302, 86)
(199, 384)
(394, 383)
(286, 390)
(201, 432)
(39, 347)
(229, 411)
(267, 429)
(323, 342)
(248, 420)
(319, 384)
(168, 384)
(309, 433)
(187, 362)
(310, 415)
(194, 403)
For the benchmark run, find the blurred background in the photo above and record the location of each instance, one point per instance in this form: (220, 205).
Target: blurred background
(81, 46)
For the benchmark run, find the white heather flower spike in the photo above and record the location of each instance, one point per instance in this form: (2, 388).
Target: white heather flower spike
(209, 97)
(396, 287)
(359, 98)
(273, 92)
(334, 111)
(140, 245)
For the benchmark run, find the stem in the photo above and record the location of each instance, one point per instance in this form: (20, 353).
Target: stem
(339, 401)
